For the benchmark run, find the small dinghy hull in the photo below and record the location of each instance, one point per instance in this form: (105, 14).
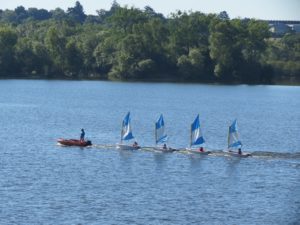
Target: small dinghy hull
(127, 147)
(197, 151)
(235, 154)
(161, 149)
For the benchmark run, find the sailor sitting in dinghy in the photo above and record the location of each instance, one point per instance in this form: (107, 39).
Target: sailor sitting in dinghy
(239, 151)
(201, 149)
(135, 145)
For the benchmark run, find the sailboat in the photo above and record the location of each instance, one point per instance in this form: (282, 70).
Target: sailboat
(197, 138)
(126, 135)
(160, 136)
(234, 141)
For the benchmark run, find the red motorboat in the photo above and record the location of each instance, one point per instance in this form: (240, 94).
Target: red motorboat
(74, 142)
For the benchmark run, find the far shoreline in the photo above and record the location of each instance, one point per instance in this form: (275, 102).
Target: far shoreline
(171, 81)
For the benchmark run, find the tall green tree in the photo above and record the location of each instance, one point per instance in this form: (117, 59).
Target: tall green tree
(224, 50)
(74, 61)
(56, 43)
(125, 18)
(76, 13)
(8, 40)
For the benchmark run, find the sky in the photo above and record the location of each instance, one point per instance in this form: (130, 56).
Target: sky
(258, 9)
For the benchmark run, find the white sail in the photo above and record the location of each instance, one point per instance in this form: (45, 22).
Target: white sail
(196, 134)
(160, 135)
(233, 137)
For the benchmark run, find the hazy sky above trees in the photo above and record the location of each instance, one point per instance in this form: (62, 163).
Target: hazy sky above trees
(259, 9)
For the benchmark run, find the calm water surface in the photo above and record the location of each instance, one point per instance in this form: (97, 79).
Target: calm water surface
(42, 183)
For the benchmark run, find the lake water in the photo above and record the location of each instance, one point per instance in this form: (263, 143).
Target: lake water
(43, 183)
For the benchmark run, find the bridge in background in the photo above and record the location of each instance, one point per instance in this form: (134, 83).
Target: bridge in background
(287, 22)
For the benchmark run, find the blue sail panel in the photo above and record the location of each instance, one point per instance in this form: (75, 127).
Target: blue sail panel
(160, 135)
(160, 122)
(162, 139)
(126, 129)
(233, 127)
(127, 136)
(233, 137)
(126, 120)
(196, 134)
(196, 124)
(199, 141)
(235, 144)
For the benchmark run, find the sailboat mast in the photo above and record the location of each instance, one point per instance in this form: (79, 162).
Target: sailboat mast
(191, 136)
(122, 131)
(155, 133)
(228, 136)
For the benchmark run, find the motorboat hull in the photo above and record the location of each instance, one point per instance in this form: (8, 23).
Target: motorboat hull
(74, 142)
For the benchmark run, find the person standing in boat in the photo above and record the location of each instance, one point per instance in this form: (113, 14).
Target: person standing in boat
(240, 151)
(82, 135)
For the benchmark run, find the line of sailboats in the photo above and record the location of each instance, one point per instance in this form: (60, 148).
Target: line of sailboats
(196, 138)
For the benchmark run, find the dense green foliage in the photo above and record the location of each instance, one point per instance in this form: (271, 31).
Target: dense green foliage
(126, 43)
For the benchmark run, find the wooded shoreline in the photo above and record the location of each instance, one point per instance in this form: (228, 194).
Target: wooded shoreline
(131, 44)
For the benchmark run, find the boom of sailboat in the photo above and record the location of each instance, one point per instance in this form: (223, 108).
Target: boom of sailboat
(196, 145)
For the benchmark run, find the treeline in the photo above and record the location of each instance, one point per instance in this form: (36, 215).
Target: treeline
(127, 43)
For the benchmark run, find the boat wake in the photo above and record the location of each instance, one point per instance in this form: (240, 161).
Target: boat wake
(279, 155)
(262, 154)
(254, 154)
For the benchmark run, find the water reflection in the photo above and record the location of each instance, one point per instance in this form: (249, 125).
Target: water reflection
(232, 165)
(159, 159)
